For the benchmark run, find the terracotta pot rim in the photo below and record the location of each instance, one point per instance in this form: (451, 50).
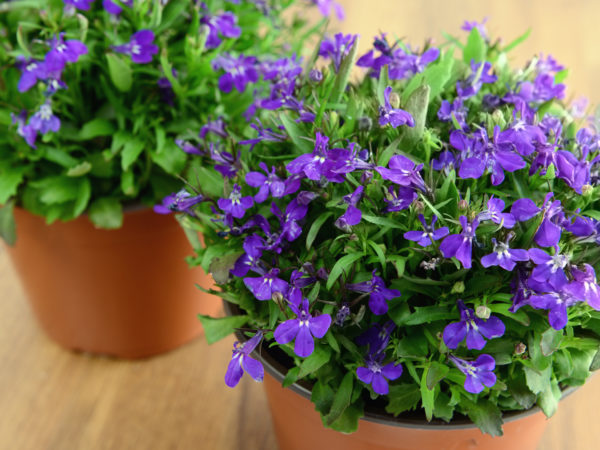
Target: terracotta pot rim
(128, 208)
(278, 371)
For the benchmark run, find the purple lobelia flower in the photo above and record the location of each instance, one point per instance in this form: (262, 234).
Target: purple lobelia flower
(481, 154)
(304, 328)
(379, 293)
(227, 165)
(429, 235)
(445, 161)
(224, 25)
(298, 280)
(84, 5)
(585, 285)
(140, 47)
(376, 374)
(556, 302)
(353, 215)
(468, 25)
(399, 199)
(27, 132)
(242, 361)
(377, 337)
(269, 183)
(404, 172)
(181, 201)
(522, 137)
(31, 71)
(473, 328)
(235, 204)
(349, 159)
(216, 127)
(455, 111)
(550, 269)
(504, 256)
(314, 165)
(460, 245)
(250, 260)
(337, 48)
(265, 134)
(294, 212)
(553, 218)
(325, 7)
(493, 212)
(471, 86)
(62, 52)
(479, 373)
(265, 286)
(112, 8)
(238, 71)
(44, 120)
(394, 116)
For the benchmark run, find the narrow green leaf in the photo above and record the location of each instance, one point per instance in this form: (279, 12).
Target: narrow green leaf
(341, 399)
(95, 128)
(427, 395)
(417, 105)
(314, 229)
(517, 41)
(131, 151)
(382, 84)
(80, 169)
(343, 75)
(476, 47)
(295, 133)
(380, 253)
(217, 329)
(340, 266)
(436, 373)
(320, 356)
(119, 72)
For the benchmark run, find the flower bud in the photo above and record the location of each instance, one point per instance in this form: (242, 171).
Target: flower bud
(520, 348)
(353, 237)
(458, 288)
(419, 206)
(365, 123)
(315, 76)
(322, 273)
(394, 100)
(463, 205)
(277, 297)
(483, 312)
(586, 190)
(498, 118)
(366, 177)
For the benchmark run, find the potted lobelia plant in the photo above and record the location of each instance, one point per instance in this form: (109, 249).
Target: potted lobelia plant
(416, 248)
(94, 99)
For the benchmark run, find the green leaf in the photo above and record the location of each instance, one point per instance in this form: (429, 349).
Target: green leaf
(106, 213)
(348, 421)
(414, 345)
(548, 399)
(341, 399)
(427, 314)
(80, 169)
(486, 416)
(436, 373)
(383, 221)
(120, 72)
(290, 377)
(58, 189)
(517, 41)
(427, 395)
(503, 309)
(595, 365)
(60, 157)
(315, 227)
(343, 75)
(537, 381)
(476, 47)
(443, 408)
(379, 251)
(220, 266)
(320, 356)
(128, 183)
(340, 266)
(435, 76)
(95, 128)
(402, 397)
(217, 329)
(417, 105)
(382, 84)
(390, 150)
(550, 342)
(539, 360)
(521, 393)
(321, 396)
(83, 196)
(561, 76)
(131, 151)
(8, 227)
(296, 134)
(10, 179)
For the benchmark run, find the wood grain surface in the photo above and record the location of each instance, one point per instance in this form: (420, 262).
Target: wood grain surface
(52, 399)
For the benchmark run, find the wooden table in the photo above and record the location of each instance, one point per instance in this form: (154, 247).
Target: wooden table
(52, 399)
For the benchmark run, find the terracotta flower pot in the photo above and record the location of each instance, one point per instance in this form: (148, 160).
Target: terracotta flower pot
(126, 292)
(298, 425)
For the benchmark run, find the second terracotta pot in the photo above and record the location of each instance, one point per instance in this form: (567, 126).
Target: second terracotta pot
(126, 293)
